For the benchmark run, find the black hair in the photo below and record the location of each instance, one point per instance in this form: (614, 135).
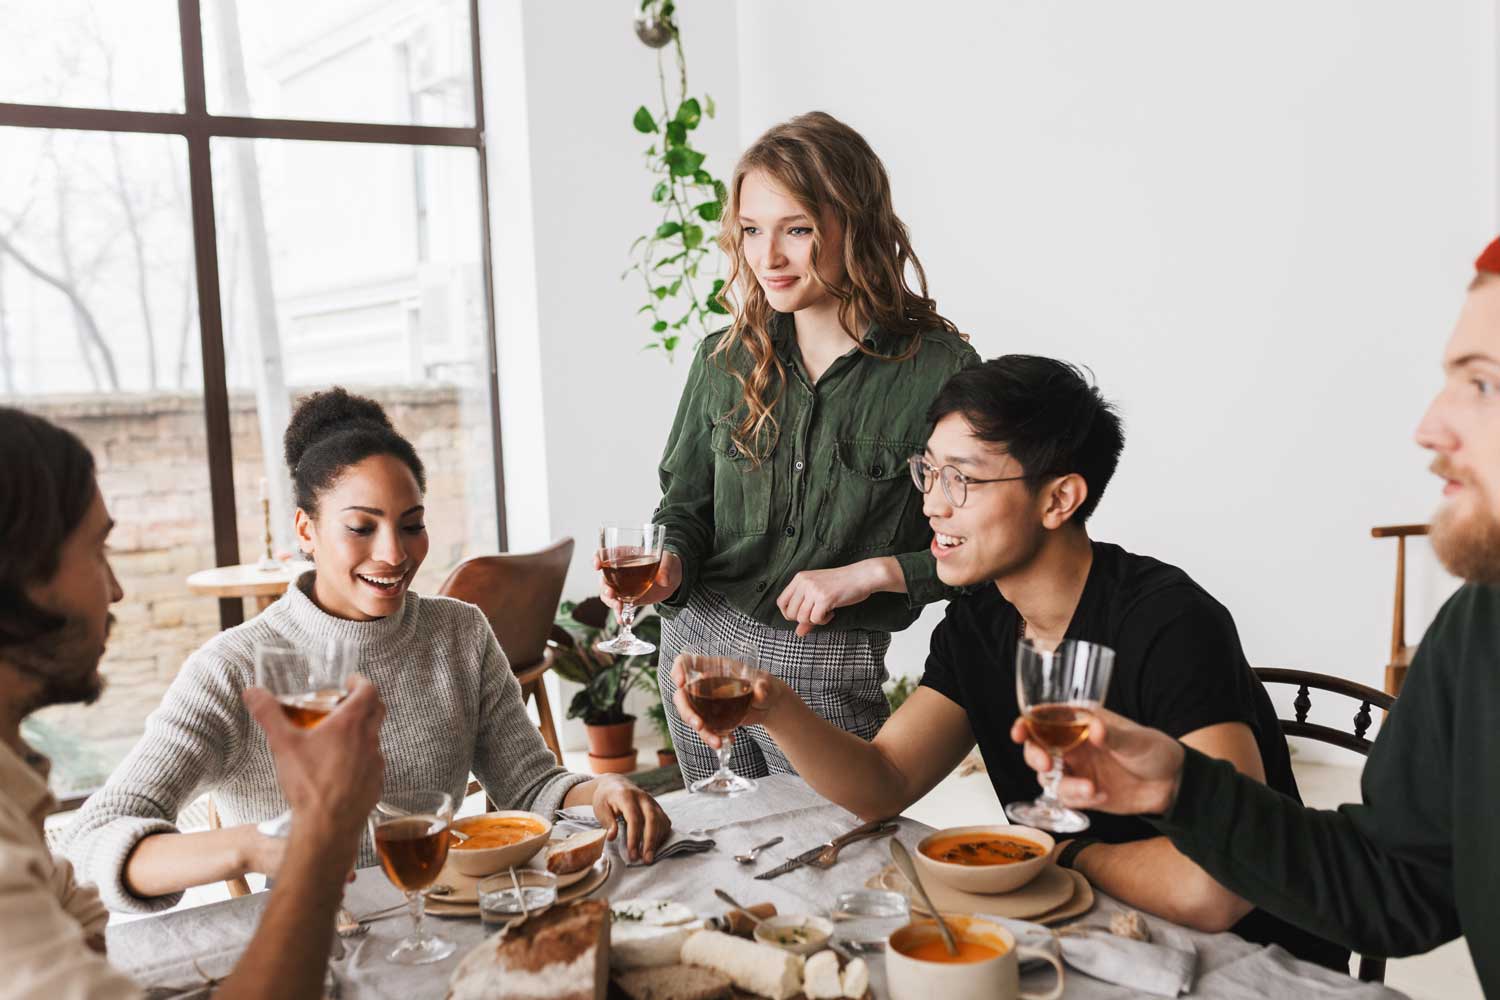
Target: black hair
(46, 488)
(1045, 413)
(330, 431)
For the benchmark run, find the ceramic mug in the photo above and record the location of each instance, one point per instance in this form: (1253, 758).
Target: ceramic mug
(993, 978)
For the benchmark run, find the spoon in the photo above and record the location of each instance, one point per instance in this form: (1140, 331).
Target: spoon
(902, 858)
(726, 897)
(749, 856)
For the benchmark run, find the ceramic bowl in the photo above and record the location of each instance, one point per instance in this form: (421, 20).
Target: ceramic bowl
(482, 861)
(986, 879)
(993, 978)
(798, 935)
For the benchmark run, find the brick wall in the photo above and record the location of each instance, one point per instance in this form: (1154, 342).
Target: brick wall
(151, 451)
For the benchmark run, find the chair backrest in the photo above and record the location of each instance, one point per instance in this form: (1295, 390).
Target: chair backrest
(1371, 967)
(518, 593)
(1306, 681)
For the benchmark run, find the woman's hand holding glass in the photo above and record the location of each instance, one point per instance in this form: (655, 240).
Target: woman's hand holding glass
(668, 579)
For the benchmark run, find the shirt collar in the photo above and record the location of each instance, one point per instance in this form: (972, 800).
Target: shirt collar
(784, 338)
(23, 780)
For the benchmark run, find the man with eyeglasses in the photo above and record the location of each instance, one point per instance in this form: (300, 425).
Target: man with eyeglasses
(1020, 453)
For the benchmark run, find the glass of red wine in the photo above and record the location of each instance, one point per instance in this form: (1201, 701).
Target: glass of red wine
(629, 555)
(1057, 690)
(720, 684)
(309, 684)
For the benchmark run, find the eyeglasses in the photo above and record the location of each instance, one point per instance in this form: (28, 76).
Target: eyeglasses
(955, 483)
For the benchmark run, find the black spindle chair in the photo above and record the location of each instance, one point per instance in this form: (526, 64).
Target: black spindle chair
(1371, 969)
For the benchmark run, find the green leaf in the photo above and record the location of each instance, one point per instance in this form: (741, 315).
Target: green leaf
(676, 287)
(702, 177)
(682, 161)
(658, 326)
(714, 305)
(644, 121)
(708, 106)
(721, 191)
(668, 229)
(660, 192)
(709, 211)
(676, 134)
(648, 307)
(692, 236)
(691, 270)
(670, 343)
(690, 113)
(669, 261)
(660, 291)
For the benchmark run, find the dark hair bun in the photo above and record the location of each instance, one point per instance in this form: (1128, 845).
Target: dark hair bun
(325, 413)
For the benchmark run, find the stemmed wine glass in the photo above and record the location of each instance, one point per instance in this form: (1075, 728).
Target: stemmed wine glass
(720, 684)
(630, 555)
(1056, 690)
(410, 831)
(309, 685)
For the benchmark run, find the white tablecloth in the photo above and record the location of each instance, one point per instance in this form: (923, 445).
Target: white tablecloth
(162, 950)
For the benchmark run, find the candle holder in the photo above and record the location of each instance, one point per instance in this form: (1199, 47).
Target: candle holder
(268, 562)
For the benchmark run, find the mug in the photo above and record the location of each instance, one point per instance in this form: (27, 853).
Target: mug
(994, 978)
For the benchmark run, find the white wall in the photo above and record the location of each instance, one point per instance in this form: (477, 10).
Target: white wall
(1253, 224)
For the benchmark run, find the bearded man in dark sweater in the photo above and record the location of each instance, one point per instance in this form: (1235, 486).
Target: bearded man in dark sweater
(1417, 862)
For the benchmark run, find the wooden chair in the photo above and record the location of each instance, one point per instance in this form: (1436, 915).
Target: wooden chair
(1401, 653)
(519, 593)
(1371, 969)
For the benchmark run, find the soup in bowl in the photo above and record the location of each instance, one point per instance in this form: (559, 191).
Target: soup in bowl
(987, 966)
(985, 859)
(497, 840)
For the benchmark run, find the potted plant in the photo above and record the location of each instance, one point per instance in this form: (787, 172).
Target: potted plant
(605, 678)
(667, 755)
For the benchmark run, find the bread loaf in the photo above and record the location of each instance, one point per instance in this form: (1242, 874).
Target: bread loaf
(674, 982)
(758, 968)
(562, 954)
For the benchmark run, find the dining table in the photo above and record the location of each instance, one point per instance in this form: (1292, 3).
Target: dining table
(179, 951)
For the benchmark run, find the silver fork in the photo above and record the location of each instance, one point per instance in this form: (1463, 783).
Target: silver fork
(829, 856)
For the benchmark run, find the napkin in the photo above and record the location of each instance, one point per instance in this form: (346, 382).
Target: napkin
(1166, 966)
(677, 845)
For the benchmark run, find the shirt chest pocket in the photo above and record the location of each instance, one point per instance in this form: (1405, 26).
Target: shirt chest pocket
(870, 495)
(742, 489)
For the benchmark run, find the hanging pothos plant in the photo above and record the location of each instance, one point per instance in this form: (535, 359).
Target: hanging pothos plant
(671, 258)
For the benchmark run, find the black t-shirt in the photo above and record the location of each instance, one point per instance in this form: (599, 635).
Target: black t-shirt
(1178, 668)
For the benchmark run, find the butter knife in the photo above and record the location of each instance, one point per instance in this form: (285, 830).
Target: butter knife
(805, 857)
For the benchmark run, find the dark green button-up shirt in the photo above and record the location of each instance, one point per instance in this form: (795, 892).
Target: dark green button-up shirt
(833, 490)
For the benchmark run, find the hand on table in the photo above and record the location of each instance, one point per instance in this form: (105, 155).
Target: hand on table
(646, 824)
(1122, 767)
(814, 594)
(668, 579)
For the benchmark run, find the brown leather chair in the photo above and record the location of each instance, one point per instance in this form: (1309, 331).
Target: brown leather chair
(519, 594)
(1371, 968)
(1401, 653)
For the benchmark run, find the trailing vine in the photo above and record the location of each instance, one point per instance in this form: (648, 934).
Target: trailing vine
(671, 258)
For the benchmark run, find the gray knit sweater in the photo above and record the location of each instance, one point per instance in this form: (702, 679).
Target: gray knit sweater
(452, 706)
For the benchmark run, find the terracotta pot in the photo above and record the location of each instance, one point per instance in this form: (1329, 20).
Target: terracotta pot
(666, 758)
(621, 764)
(612, 740)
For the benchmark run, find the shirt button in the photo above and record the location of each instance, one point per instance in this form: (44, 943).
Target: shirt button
(790, 531)
(875, 471)
(760, 587)
(734, 452)
(798, 466)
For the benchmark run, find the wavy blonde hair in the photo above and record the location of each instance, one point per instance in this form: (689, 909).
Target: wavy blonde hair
(828, 168)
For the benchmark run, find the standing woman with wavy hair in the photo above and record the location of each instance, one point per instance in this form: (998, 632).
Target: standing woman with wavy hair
(791, 521)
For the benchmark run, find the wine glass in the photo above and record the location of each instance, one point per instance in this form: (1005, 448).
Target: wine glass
(309, 685)
(410, 831)
(1056, 689)
(630, 555)
(720, 684)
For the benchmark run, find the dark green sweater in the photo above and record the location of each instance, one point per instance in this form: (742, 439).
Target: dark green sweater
(1418, 862)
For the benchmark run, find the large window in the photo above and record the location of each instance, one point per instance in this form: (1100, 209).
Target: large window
(208, 208)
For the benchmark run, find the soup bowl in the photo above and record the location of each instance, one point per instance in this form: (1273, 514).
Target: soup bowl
(978, 873)
(918, 966)
(522, 834)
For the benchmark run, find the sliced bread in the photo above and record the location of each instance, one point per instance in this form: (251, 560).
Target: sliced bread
(576, 852)
(673, 982)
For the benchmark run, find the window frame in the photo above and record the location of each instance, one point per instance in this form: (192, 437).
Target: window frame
(198, 127)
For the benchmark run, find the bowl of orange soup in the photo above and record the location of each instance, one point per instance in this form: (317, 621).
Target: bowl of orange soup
(985, 859)
(987, 966)
(497, 840)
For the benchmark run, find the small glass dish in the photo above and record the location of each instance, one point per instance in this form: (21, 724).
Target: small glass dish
(864, 918)
(498, 903)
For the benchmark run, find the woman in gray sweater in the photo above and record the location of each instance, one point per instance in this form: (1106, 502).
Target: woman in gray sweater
(453, 704)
